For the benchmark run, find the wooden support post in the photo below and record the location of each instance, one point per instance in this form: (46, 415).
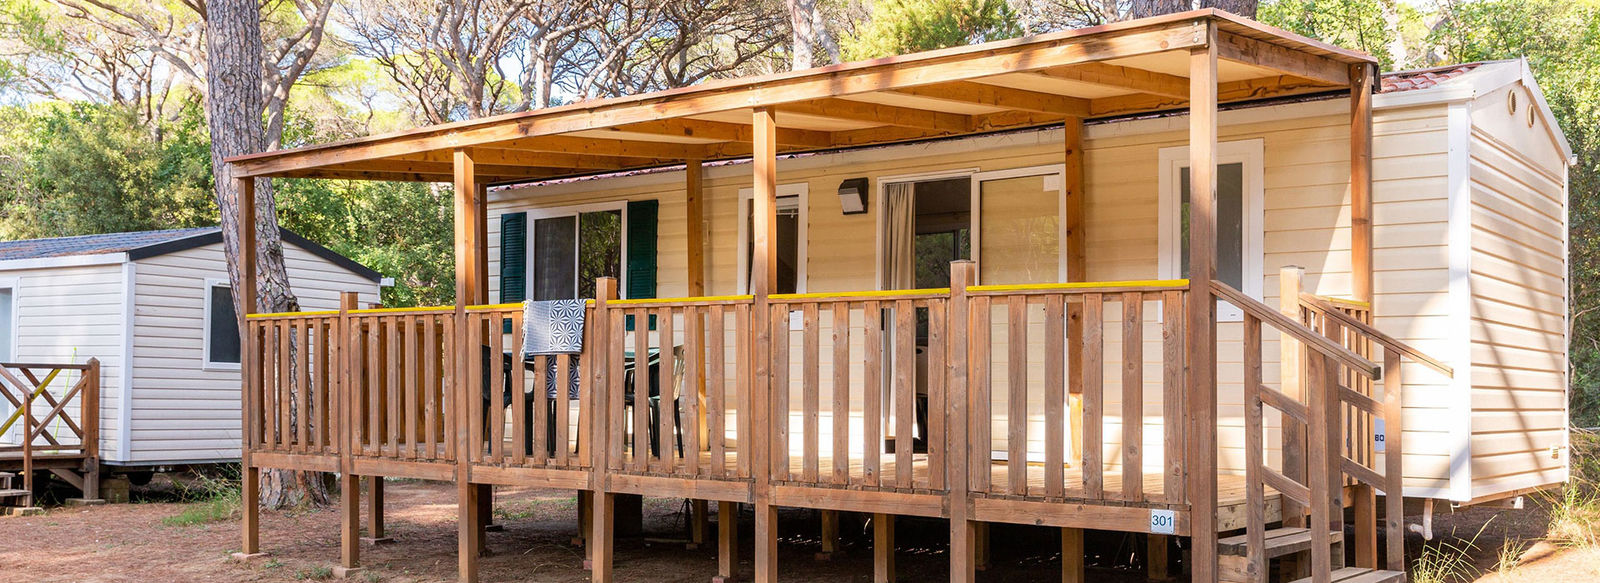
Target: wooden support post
(603, 513)
(375, 529)
(1394, 499)
(830, 535)
(1200, 323)
(1361, 79)
(980, 544)
(1291, 367)
(250, 480)
(467, 247)
(764, 278)
(1156, 558)
(1072, 555)
(727, 542)
(349, 487)
(485, 516)
(962, 560)
(1366, 526)
(882, 548)
(585, 517)
(91, 431)
(1077, 271)
(699, 521)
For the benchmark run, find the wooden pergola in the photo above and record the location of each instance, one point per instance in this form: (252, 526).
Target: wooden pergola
(1192, 61)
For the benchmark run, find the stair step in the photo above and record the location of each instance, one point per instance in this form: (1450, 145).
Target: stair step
(12, 493)
(1362, 575)
(1280, 542)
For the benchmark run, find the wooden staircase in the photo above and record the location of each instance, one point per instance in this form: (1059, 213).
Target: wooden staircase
(9, 495)
(1333, 448)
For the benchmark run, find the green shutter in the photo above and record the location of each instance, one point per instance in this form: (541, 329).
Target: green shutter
(513, 259)
(641, 263)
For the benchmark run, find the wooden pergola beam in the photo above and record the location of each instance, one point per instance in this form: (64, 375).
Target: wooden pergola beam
(973, 93)
(1250, 51)
(1234, 91)
(444, 170)
(888, 115)
(489, 157)
(717, 131)
(1120, 77)
(1176, 32)
(605, 147)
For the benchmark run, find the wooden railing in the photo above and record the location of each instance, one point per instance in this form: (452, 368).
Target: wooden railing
(1044, 312)
(401, 363)
(70, 424)
(547, 421)
(291, 382)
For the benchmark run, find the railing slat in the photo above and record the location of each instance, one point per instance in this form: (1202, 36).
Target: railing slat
(413, 385)
(430, 387)
(742, 389)
(497, 388)
(716, 391)
(811, 381)
(980, 469)
(614, 410)
(1017, 395)
(905, 390)
(1133, 396)
(641, 389)
(694, 383)
(1054, 397)
(302, 386)
(937, 337)
(872, 395)
(779, 370)
(667, 403)
(1172, 401)
(1093, 396)
(841, 393)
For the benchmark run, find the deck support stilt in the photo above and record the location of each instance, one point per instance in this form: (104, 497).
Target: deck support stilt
(468, 540)
(1072, 555)
(766, 559)
(1200, 325)
(349, 521)
(1366, 510)
(1156, 561)
(486, 515)
(698, 522)
(250, 507)
(727, 542)
(830, 535)
(602, 519)
(376, 533)
(585, 518)
(980, 546)
(882, 548)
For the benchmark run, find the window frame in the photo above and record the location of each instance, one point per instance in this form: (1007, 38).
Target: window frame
(530, 251)
(1249, 153)
(1054, 176)
(800, 191)
(13, 284)
(880, 210)
(205, 339)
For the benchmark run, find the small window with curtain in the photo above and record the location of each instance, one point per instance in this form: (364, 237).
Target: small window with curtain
(8, 330)
(222, 326)
(1239, 218)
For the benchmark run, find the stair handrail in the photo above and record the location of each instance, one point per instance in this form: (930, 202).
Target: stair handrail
(1298, 330)
(1324, 306)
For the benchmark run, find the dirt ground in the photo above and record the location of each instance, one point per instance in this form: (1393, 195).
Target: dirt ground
(130, 542)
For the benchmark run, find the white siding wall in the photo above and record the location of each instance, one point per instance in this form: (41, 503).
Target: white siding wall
(69, 315)
(181, 410)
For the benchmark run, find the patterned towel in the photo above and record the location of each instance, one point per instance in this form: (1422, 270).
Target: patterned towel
(555, 327)
(552, 327)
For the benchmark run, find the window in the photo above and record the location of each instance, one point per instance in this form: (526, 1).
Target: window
(570, 249)
(791, 243)
(1239, 218)
(8, 328)
(222, 326)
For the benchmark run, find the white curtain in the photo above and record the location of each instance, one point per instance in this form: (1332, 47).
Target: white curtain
(900, 256)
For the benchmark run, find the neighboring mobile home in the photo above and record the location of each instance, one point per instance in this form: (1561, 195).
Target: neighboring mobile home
(1186, 276)
(156, 309)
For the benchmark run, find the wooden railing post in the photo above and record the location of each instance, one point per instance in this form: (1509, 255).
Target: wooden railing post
(91, 430)
(27, 445)
(601, 517)
(1291, 370)
(349, 415)
(1393, 473)
(958, 399)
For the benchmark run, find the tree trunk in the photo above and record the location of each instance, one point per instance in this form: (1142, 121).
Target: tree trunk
(234, 105)
(1148, 8)
(1245, 8)
(802, 14)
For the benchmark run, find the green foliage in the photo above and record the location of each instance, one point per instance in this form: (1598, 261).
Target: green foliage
(212, 498)
(906, 26)
(1391, 30)
(79, 168)
(403, 230)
